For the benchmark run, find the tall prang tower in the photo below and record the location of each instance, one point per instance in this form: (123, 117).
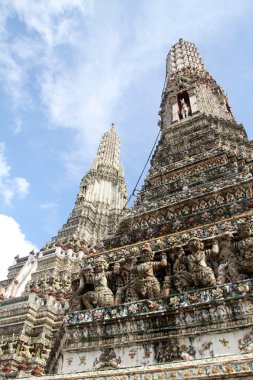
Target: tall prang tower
(201, 170)
(176, 302)
(170, 294)
(101, 198)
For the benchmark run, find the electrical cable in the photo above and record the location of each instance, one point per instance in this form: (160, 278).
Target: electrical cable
(137, 183)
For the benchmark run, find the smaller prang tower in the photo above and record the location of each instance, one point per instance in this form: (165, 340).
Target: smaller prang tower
(36, 294)
(101, 198)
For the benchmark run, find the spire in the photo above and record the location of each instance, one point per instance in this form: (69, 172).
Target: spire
(183, 55)
(113, 128)
(109, 149)
(199, 153)
(102, 195)
(189, 88)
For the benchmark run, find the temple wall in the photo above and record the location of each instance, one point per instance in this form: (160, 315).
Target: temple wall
(206, 346)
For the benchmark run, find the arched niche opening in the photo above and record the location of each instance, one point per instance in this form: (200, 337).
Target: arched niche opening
(184, 105)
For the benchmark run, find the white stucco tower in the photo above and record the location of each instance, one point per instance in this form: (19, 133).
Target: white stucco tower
(189, 88)
(101, 197)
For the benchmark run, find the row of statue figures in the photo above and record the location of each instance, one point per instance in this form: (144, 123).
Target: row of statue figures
(26, 350)
(139, 276)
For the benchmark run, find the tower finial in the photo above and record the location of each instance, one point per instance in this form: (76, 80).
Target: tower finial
(183, 55)
(188, 84)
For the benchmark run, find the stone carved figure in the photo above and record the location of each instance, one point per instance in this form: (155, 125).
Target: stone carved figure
(186, 356)
(74, 301)
(56, 283)
(11, 348)
(125, 279)
(184, 109)
(228, 268)
(107, 360)
(168, 351)
(202, 275)
(246, 344)
(245, 248)
(45, 353)
(25, 351)
(181, 275)
(146, 285)
(2, 345)
(101, 295)
(37, 350)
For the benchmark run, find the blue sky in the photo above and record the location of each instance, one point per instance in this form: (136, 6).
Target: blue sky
(68, 68)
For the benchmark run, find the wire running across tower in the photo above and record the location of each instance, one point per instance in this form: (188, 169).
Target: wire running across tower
(140, 176)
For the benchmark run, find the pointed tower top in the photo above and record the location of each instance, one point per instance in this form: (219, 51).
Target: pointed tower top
(112, 130)
(187, 86)
(102, 195)
(183, 55)
(108, 150)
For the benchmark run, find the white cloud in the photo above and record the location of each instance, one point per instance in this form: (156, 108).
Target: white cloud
(4, 167)
(46, 17)
(47, 25)
(48, 206)
(10, 187)
(18, 126)
(21, 186)
(13, 242)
